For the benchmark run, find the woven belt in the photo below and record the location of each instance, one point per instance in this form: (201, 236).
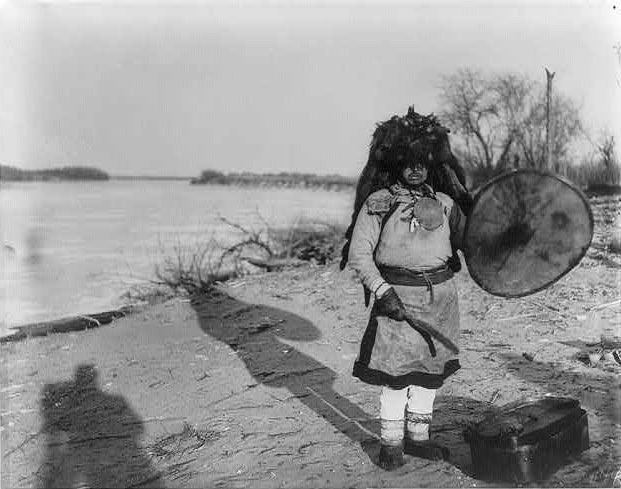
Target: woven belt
(403, 276)
(426, 278)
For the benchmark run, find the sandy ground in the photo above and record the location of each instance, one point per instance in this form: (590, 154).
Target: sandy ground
(251, 386)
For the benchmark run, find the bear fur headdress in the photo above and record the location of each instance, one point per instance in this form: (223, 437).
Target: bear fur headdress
(393, 141)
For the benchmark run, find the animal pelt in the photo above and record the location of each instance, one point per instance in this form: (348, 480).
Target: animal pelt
(394, 142)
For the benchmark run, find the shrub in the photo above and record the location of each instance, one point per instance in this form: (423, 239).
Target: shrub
(192, 270)
(212, 176)
(195, 269)
(314, 241)
(595, 176)
(306, 240)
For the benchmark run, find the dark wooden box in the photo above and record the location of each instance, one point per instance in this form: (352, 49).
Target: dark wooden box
(527, 440)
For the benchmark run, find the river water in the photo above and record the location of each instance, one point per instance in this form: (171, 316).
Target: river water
(76, 248)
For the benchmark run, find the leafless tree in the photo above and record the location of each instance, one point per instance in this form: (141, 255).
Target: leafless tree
(499, 121)
(606, 149)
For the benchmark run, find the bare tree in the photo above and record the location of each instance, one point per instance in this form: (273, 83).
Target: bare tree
(566, 127)
(606, 149)
(500, 120)
(473, 113)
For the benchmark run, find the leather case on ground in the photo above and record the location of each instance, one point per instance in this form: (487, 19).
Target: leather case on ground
(527, 440)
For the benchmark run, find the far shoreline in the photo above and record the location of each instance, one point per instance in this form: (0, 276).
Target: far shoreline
(592, 191)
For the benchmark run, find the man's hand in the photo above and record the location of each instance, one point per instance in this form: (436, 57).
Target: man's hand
(389, 304)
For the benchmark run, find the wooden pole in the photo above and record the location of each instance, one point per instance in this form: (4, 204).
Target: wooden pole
(547, 156)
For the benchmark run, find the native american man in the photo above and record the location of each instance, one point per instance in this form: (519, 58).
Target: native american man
(406, 228)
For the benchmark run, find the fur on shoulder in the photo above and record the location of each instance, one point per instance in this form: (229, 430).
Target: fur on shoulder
(379, 202)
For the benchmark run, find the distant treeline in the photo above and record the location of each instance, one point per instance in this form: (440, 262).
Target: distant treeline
(282, 179)
(149, 177)
(53, 174)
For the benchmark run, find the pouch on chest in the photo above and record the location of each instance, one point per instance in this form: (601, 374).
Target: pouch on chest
(426, 213)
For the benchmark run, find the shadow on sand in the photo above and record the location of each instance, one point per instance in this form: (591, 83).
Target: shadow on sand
(92, 438)
(274, 363)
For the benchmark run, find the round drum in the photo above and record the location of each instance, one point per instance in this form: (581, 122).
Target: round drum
(526, 230)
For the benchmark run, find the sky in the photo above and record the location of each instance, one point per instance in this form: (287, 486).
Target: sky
(139, 88)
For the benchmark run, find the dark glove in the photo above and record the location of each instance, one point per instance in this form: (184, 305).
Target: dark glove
(390, 305)
(453, 262)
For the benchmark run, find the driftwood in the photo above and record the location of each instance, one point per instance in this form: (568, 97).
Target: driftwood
(65, 325)
(271, 264)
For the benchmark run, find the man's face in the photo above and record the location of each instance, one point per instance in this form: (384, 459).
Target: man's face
(414, 174)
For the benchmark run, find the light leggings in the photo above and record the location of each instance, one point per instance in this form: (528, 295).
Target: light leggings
(405, 411)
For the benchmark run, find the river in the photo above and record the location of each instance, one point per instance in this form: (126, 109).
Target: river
(76, 247)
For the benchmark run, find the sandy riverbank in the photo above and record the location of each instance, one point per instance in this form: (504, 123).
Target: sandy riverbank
(251, 386)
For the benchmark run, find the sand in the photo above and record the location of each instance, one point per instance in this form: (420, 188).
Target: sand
(251, 386)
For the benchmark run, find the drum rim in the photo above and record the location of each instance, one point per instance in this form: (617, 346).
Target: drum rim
(540, 173)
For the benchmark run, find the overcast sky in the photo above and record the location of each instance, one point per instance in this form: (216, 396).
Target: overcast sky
(165, 89)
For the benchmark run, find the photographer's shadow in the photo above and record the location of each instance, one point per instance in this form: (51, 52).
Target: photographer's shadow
(92, 438)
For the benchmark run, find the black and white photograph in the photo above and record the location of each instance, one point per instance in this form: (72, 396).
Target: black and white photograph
(310, 244)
